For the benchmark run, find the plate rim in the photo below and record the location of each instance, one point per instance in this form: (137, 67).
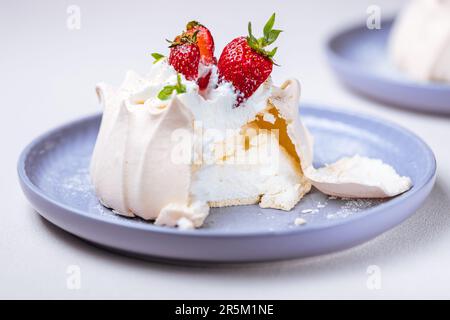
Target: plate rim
(429, 177)
(334, 57)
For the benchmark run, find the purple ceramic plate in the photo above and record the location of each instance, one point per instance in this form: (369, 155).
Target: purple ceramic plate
(359, 58)
(53, 172)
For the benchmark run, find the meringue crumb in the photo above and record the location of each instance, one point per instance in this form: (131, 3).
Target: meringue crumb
(310, 210)
(321, 205)
(332, 197)
(299, 221)
(185, 224)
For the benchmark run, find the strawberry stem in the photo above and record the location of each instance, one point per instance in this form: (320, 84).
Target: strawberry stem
(193, 24)
(269, 37)
(184, 38)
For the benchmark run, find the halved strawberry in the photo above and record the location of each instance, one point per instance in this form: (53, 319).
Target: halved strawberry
(245, 63)
(205, 41)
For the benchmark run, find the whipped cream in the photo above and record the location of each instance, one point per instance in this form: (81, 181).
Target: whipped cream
(419, 43)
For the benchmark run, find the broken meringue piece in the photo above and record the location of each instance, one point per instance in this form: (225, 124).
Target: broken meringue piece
(358, 177)
(185, 217)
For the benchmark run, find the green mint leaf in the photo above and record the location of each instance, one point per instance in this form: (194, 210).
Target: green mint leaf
(181, 88)
(157, 57)
(269, 25)
(166, 92)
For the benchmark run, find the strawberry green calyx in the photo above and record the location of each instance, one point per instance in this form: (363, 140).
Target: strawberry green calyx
(193, 24)
(270, 36)
(184, 38)
(167, 91)
(157, 57)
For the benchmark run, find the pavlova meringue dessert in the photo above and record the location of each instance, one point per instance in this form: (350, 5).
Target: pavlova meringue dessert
(196, 133)
(419, 44)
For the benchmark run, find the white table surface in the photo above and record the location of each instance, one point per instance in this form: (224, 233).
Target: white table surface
(48, 73)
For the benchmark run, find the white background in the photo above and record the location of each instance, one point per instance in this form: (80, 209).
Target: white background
(47, 75)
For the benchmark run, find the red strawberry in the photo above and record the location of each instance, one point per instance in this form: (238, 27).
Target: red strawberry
(186, 62)
(204, 81)
(185, 57)
(245, 63)
(205, 41)
(245, 68)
